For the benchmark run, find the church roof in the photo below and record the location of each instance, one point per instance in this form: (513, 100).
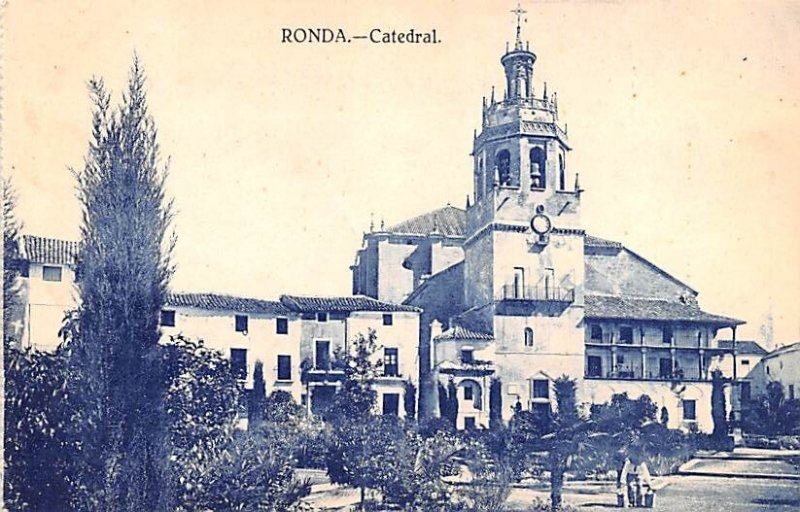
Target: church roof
(448, 221)
(635, 308)
(38, 249)
(783, 350)
(743, 347)
(342, 304)
(216, 301)
(593, 241)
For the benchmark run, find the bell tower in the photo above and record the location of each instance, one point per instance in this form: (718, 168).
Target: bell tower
(523, 253)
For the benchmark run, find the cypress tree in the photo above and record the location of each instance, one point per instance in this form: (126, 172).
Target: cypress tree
(122, 277)
(495, 404)
(718, 413)
(256, 406)
(410, 400)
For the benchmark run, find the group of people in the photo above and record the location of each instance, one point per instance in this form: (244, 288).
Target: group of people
(634, 485)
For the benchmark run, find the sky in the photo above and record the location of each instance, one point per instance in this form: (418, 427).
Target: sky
(683, 117)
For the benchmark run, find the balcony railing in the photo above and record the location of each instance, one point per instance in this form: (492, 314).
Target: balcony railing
(537, 293)
(677, 376)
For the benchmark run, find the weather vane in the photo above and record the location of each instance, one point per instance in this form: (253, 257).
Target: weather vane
(519, 12)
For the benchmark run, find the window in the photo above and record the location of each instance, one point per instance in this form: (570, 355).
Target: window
(626, 334)
(767, 367)
(468, 395)
(562, 175)
(322, 355)
(541, 388)
(665, 368)
(791, 391)
(239, 363)
(391, 404)
(528, 337)
(745, 362)
(469, 423)
(594, 366)
(596, 333)
(241, 323)
(467, 356)
(388, 319)
(282, 326)
(538, 174)
(666, 334)
(689, 410)
(167, 318)
(503, 164)
(390, 365)
(519, 283)
(322, 317)
(284, 367)
(50, 273)
(620, 359)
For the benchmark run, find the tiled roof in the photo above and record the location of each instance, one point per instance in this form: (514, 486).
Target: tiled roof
(459, 332)
(783, 350)
(593, 241)
(227, 303)
(448, 221)
(743, 347)
(635, 308)
(343, 304)
(38, 249)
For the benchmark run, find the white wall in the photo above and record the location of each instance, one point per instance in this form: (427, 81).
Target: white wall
(47, 301)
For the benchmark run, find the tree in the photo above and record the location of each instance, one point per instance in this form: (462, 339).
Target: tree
(256, 406)
(410, 400)
(122, 278)
(452, 403)
(567, 437)
(495, 404)
(37, 451)
(356, 396)
(11, 271)
(718, 413)
(772, 414)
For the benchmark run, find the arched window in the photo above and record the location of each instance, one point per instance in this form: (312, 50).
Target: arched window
(538, 174)
(480, 179)
(503, 164)
(528, 337)
(562, 174)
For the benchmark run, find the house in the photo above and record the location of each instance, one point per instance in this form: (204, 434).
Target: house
(781, 365)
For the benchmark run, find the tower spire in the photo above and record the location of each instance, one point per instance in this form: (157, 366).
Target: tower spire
(519, 12)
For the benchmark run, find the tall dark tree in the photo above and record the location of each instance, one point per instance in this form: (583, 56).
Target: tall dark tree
(256, 405)
(495, 404)
(452, 403)
(718, 413)
(410, 400)
(122, 277)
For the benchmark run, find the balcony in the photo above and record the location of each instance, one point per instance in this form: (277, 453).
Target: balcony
(656, 376)
(555, 294)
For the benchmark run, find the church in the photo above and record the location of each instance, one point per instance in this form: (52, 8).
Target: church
(501, 297)
(514, 291)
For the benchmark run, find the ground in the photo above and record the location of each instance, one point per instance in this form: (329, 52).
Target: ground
(745, 481)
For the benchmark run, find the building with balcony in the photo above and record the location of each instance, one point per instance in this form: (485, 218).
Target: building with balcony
(512, 287)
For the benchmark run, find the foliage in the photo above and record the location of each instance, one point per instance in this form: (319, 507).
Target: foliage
(122, 277)
(243, 473)
(495, 404)
(286, 420)
(771, 414)
(410, 400)
(37, 451)
(356, 396)
(11, 270)
(567, 438)
(718, 413)
(256, 403)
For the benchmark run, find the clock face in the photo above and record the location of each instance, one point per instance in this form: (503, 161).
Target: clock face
(540, 224)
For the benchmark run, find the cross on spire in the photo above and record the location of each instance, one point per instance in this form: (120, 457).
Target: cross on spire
(519, 12)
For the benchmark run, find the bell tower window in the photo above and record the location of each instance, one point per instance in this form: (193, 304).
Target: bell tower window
(503, 163)
(538, 175)
(562, 175)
